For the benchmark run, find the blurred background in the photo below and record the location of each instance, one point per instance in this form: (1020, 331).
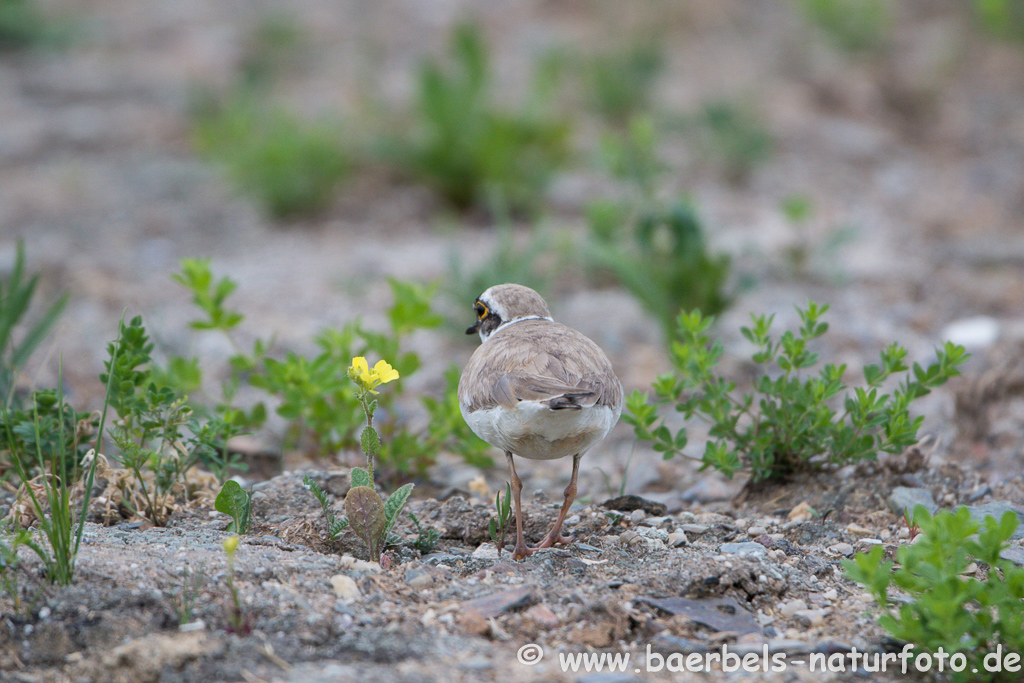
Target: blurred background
(627, 159)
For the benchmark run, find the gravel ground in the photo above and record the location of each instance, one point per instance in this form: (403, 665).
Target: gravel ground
(913, 162)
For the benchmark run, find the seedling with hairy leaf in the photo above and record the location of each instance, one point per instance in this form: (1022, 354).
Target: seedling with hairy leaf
(370, 517)
(788, 423)
(949, 610)
(426, 538)
(235, 501)
(499, 525)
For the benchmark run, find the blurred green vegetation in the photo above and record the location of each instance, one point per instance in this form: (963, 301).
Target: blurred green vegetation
(1001, 18)
(621, 82)
(473, 152)
(293, 167)
(854, 26)
(24, 25)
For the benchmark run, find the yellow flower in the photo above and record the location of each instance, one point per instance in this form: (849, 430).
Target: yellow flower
(359, 371)
(384, 372)
(361, 374)
(230, 545)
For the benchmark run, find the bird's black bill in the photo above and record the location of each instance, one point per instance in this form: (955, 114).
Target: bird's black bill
(472, 329)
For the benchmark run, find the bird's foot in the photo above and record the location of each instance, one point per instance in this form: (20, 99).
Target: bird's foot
(522, 551)
(550, 540)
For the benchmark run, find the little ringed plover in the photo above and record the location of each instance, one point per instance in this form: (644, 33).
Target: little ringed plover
(537, 389)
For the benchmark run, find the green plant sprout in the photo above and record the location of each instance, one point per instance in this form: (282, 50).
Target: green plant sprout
(498, 525)
(11, 568)
(335, 525)
(57, 518)
(183, 599)
(948, 610)
(787, 424)
(239, 622)
(236, 502)
(426, 538)
(370, 517)
(15, 300)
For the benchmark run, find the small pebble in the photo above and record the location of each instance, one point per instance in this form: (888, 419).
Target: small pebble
(801, 513)
(842, 548)
(573, 520)
(858, 530)
(810, 617)
(678, 539)
(486, 551)
(637, 516)
(744, 549)
(345, 587)
(756, 531)
(788, 609)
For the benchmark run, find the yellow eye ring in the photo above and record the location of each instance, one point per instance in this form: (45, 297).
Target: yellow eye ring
(481, 310)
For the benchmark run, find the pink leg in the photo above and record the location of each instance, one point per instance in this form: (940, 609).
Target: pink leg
(554, 536)
(521, 550)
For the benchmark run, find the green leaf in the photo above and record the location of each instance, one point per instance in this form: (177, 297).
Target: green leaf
(367, 518)
(235, 501)
(394, 504)
(370, 441)
(361, 477)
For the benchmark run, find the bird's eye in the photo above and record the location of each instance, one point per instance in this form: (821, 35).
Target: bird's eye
(481, 310)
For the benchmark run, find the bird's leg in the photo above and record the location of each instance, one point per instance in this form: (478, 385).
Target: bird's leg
(521, 551)
(554, 536)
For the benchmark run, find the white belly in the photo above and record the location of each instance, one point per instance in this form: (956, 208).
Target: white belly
(536, 432)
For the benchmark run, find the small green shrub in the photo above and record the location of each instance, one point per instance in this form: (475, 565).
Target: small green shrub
(292, 167)
(52, 430)
(660, 257)
(156, 433)
(16, 293)
(473, 153)
(854, 26)
(949, 611)
(335, 525)
(315, 394)
(788, 423)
